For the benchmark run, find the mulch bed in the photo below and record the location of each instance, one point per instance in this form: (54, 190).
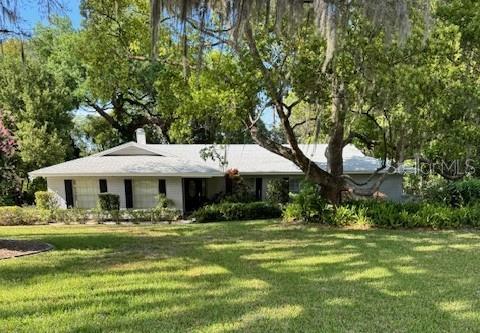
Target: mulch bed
(18, 248)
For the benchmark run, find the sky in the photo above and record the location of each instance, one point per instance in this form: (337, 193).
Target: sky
(31, 14)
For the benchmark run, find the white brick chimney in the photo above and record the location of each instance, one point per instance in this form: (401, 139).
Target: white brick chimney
(141, 137)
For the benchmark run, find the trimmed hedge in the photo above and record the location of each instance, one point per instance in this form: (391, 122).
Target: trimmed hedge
(14, 215)
(108, 202)
(228, 211)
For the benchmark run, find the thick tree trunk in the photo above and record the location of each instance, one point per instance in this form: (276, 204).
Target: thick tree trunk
(336, 141)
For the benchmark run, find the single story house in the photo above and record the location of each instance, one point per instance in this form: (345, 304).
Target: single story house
(138, 172)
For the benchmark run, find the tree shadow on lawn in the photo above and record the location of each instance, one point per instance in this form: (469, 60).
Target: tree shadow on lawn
(251, 277)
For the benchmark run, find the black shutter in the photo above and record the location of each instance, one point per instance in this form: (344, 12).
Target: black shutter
(128, 193)
(103, 186)
(69, 192)
(162, 187)
(258, 188)
(228, 185)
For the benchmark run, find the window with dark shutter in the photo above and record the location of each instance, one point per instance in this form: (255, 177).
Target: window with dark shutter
(258, 188)
(162, 186)
(69, 193)
(103, 186)
(128, 193)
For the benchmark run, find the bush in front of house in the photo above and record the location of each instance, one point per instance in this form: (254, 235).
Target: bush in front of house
(108, 202)
(229, 211)
(46, 200)
(414, 215)
(71, 215)
(307, 205)
(278, 191)
(14, 215)
(438, 190)
(392, 215)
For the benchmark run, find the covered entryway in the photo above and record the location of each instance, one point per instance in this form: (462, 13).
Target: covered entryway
(194, 193)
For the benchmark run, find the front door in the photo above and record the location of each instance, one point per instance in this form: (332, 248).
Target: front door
(194, 190)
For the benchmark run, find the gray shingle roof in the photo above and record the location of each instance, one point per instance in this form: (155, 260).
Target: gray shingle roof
(185, 160)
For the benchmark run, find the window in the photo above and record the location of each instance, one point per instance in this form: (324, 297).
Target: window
(86, 193)
(162, 187)
(103, 186)
(294, 185)
(250, 185)
(145, 192)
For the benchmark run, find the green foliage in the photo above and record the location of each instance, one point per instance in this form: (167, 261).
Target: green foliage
(228, 211)
(71, 215)
(108, 202)
(453, 193)
(46, 200)
(29, 215)
(163, 201)
(93, 134)
(404, 215)
(158, 214)
(14, 215)
(241, 191)
(307, 205)
(278, 191)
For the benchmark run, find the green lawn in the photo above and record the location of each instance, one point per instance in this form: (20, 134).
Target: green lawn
(235, 277)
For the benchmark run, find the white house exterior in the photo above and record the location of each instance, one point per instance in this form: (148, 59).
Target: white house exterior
(138, 172)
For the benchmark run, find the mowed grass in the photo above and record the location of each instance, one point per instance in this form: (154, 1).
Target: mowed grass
(241, 277)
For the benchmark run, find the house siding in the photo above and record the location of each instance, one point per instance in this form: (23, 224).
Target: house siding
(57, 186)
(392, 187)
(115, 185)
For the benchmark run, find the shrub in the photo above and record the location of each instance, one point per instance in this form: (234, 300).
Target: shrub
(72, 215)
(277, 191)
(228, 211)
(163, 201)
(164, 214)
(453, 193)
(407, 215)
(46, 200)
(307, 205)
(108, 202)
(152, 215)
(13, 215)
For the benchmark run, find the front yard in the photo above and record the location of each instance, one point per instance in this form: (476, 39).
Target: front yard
(253, 276)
